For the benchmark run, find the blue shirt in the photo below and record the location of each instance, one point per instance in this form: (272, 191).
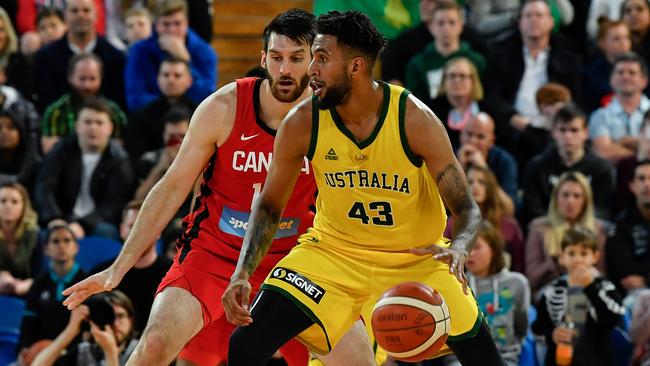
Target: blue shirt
(142, 65)
(613, 122)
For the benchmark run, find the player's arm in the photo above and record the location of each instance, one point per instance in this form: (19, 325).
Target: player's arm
(290, 148)
(209, 127)
(428, 139)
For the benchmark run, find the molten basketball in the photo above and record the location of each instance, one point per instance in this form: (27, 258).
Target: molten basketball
(411, 322)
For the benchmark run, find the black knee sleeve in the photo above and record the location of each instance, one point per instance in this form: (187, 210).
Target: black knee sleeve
(477, 350)
(275, 321)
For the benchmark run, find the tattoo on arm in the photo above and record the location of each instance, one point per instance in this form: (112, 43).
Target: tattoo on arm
(467, 216)
(263, 224)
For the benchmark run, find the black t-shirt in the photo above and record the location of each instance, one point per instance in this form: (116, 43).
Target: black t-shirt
(140, 285)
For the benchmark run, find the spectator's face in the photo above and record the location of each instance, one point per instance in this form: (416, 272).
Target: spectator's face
(447, 26)
(138, 27)
(175, 133)
(637, 15)
(174, 25)
(122, 325)
(570, 201)
(575, 256)
(536, 20)
(62, 246)
(12, 204)
(627, 79)
(570, 137)
(640, 186)
(477, 185)
(127, 222)
(51, 29)
(286, 64)
(479, 132)
(80, 17)
(328, 72)
(94, 129)
(479, 258)
(426, 9)
(616, 42)
(86, 78)
(458, 80)
(9, 134)
(174, 79)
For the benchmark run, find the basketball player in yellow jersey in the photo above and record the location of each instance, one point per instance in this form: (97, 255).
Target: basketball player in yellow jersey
(385, 170)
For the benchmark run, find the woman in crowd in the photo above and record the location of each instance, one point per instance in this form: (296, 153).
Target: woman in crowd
(110, 346)
(459, 98)
(19, 160)
(19, 256)
(497, 209)
(571, 204)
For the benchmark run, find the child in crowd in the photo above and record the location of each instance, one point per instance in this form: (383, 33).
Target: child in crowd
(138, 25)
(51, 26)
(578, 311)
(503, 296)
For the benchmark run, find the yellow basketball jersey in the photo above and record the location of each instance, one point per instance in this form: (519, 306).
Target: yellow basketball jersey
(375, 197)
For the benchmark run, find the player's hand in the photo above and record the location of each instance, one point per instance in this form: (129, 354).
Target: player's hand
(236, 298)
(455, 259)
(105, 280)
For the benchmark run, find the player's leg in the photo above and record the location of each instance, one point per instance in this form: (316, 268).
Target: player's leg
(276, 320)
(353, 349)
(477, 350)
(176, 316)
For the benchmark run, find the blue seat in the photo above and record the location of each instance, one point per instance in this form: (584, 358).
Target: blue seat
(94, 250)
(11, 317)
(528, 356)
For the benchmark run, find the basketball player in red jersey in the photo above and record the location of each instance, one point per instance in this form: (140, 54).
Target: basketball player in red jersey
(231, 136)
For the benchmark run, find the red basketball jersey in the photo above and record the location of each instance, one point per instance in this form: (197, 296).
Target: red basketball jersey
(233, 177)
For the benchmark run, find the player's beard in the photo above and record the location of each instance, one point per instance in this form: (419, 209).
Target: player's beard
(335, 93)
(293, 95)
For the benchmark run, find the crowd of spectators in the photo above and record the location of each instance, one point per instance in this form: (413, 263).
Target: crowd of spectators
(545, 103)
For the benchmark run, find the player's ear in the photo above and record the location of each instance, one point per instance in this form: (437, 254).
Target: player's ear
(263, 60)
(358, 64)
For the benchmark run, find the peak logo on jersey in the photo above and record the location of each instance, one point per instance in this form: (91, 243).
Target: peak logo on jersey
(331, 155)
(304, 285)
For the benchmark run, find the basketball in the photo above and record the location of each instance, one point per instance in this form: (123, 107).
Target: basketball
(411, 322)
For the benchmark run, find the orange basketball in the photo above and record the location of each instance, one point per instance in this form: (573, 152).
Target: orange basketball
(411, 322)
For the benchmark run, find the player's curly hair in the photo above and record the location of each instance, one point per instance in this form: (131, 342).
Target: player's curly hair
(354, 30)
(296, 24)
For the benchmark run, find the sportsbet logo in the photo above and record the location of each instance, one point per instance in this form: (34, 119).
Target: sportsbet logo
(310, 289)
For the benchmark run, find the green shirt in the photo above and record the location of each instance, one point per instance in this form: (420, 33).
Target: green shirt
(60, 117)
(424, 70)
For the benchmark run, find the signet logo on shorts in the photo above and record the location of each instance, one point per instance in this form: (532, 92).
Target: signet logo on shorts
(304, 285)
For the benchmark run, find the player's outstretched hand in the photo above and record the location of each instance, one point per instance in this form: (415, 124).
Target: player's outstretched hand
(235, 300)
(105, 280)
(455, 259)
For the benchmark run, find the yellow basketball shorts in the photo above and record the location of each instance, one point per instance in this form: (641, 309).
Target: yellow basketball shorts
(335, 291)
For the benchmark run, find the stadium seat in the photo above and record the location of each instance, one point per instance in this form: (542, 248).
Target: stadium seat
(94, 250)
(11, 317)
